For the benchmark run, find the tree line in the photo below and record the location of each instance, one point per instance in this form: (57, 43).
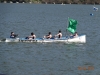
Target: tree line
(54, 1)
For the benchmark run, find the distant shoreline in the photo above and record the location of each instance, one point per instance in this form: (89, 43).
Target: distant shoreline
(48, 3)
(51, 2)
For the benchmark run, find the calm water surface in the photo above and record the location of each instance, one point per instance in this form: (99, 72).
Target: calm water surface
(49, 58)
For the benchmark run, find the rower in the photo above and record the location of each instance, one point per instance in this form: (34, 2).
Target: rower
(33, 36)
(13, 35)
(49, 36)
(75, 34)
(59, 35)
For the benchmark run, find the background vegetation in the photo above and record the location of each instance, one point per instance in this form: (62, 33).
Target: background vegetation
(55, 1)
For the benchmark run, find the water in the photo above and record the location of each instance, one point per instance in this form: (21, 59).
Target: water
(49, 58)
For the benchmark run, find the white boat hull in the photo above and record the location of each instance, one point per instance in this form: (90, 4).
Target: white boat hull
(79, 39)
(12, 40)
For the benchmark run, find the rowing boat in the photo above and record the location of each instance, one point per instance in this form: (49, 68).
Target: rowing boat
(71, 28)
(79, 39)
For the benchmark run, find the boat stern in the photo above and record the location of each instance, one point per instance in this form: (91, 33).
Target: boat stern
(79, 39)
(82, 38)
